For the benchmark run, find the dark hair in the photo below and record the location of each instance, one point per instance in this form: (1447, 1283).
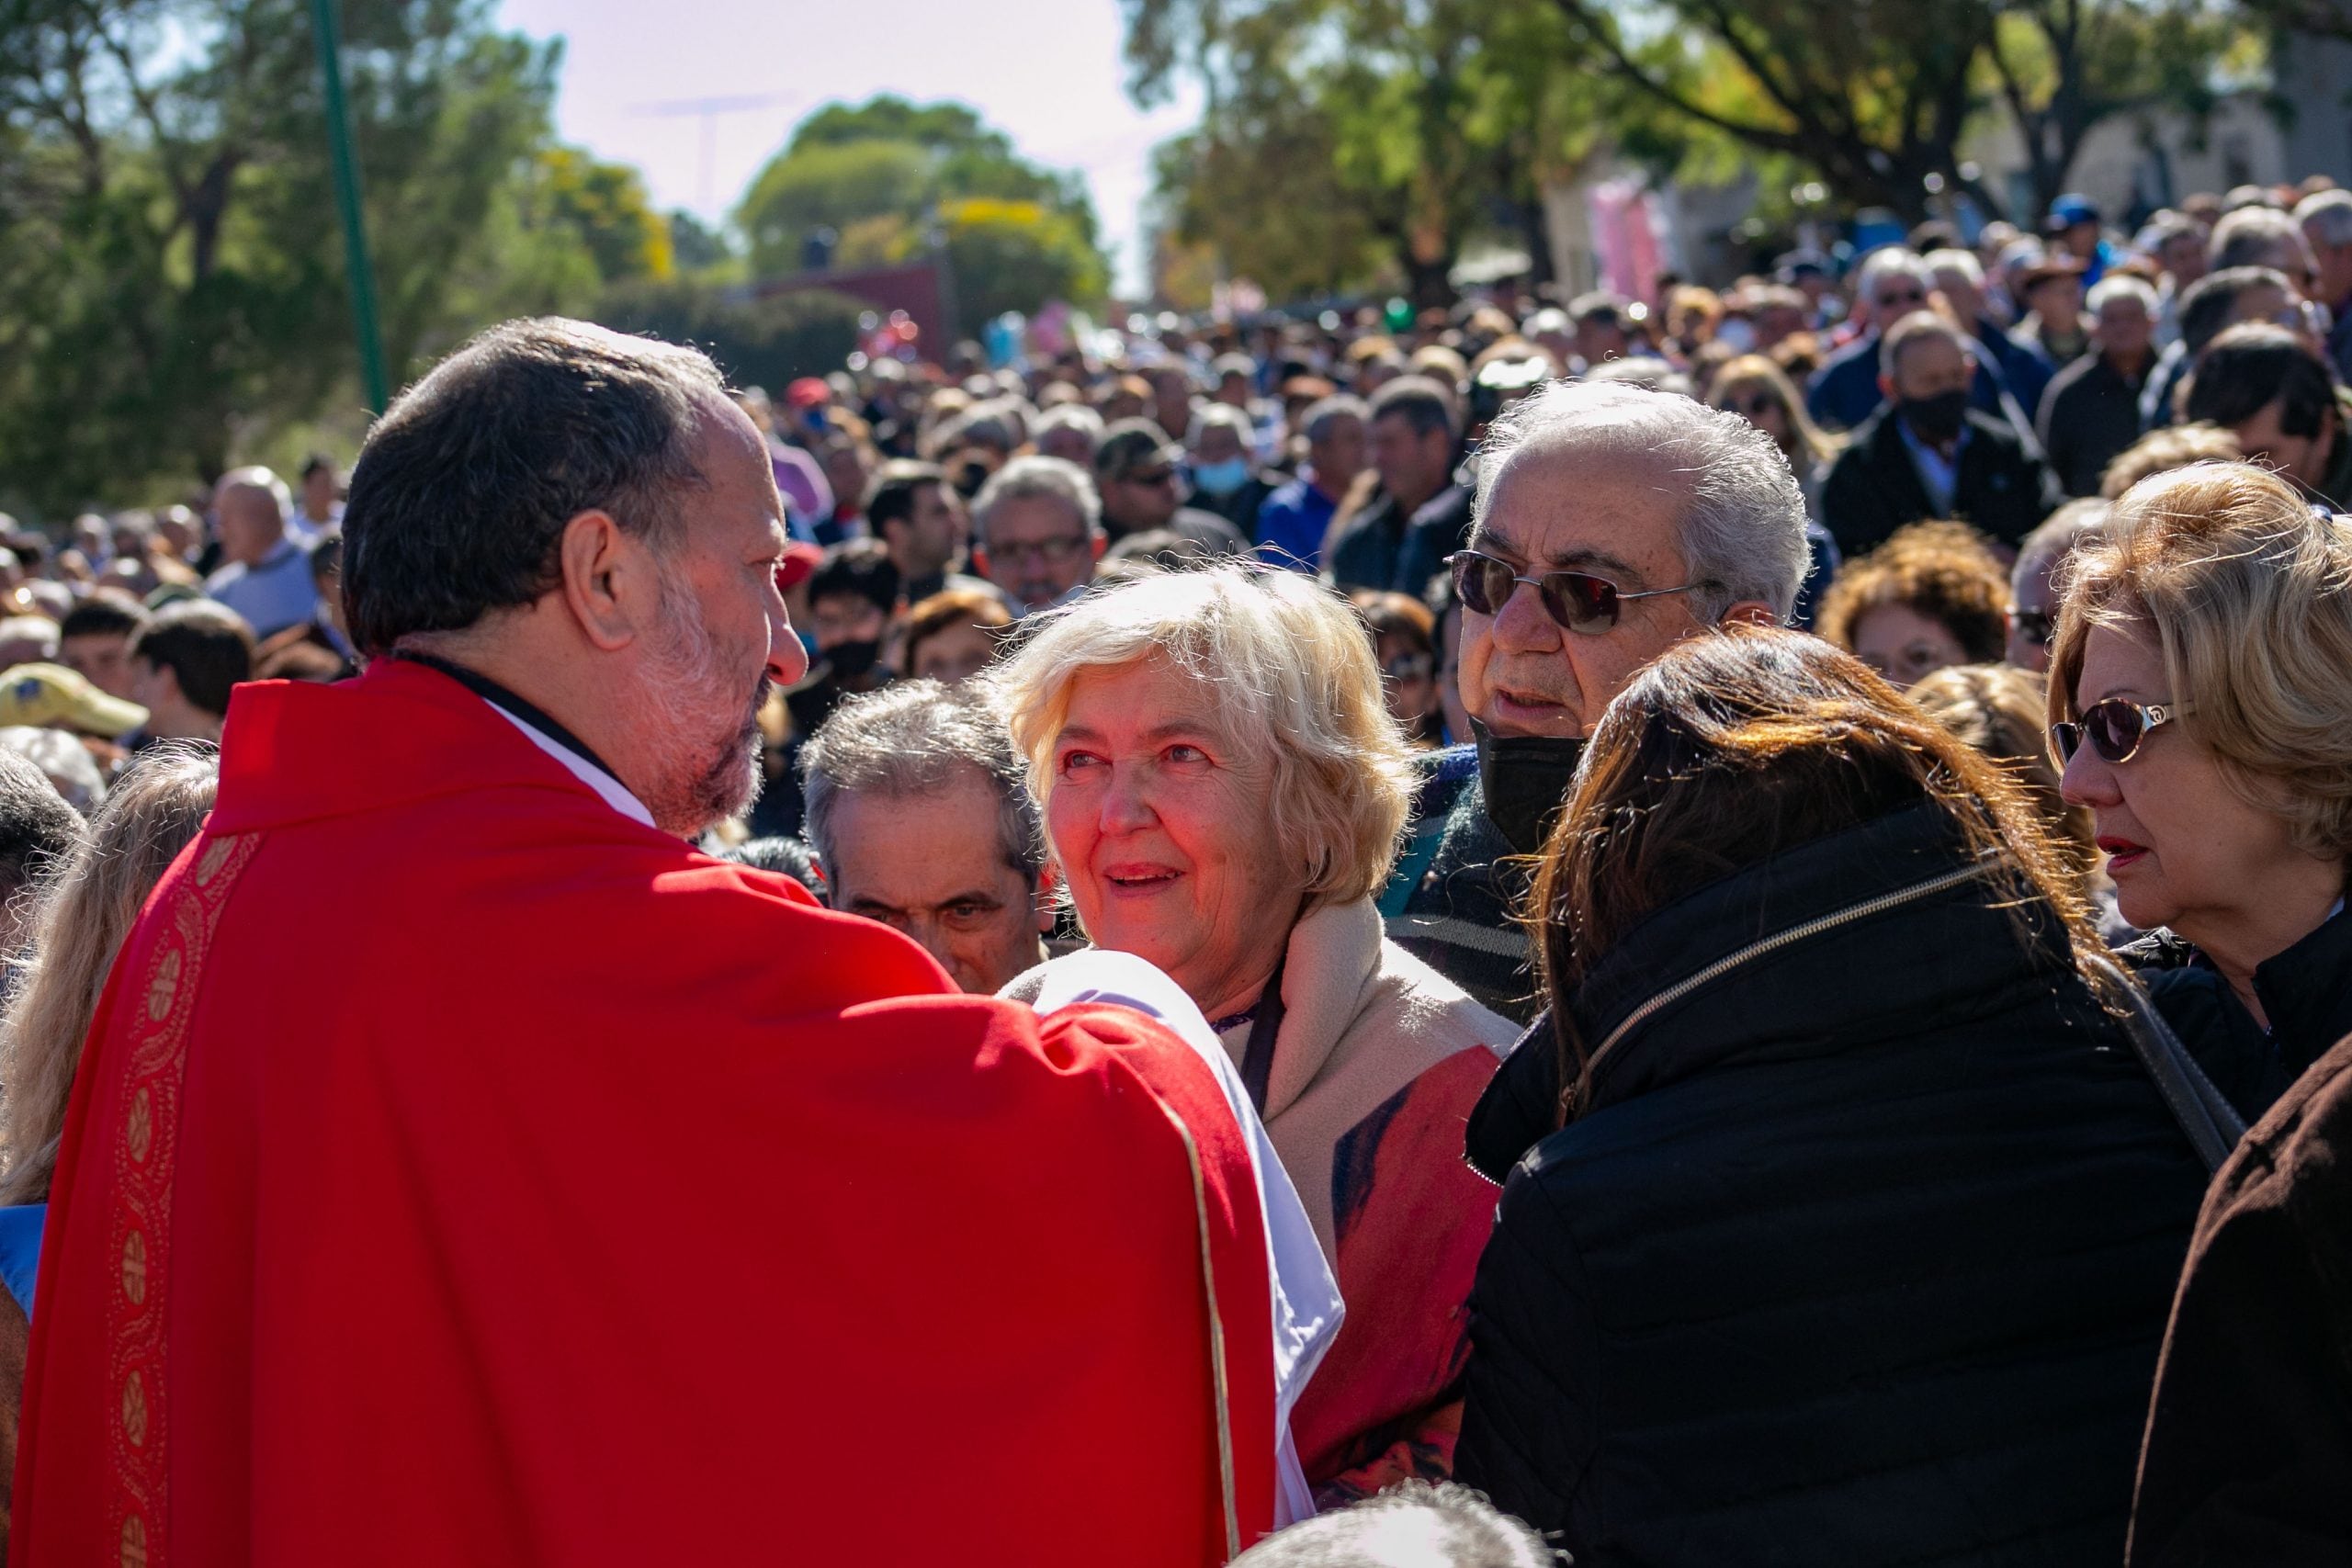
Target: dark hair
(1418, 401)
(2205, 305)
(891, 497)
(326, 556)
(786, 857)
(36, 825)
(859, 567)
(207, 646)
(316, 461)
(460, 496)
(1602, 306)
(1741, 744)
(107, 612)
(947, 608)
(2253, 366)
(1397, 615)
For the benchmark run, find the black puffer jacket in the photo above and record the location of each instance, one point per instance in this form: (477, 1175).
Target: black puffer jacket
(2306, 991)
(1862, 1254)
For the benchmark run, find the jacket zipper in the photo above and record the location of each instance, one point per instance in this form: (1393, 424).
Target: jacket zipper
(1939, 884)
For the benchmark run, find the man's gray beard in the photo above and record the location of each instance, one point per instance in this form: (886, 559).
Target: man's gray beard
(701, 783)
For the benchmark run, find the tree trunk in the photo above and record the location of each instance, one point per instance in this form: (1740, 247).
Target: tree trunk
(1426, 283)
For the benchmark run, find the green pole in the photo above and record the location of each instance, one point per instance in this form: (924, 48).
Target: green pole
(355, 223)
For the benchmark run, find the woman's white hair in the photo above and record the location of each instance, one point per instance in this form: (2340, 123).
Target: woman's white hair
(1743, 527)
(1286, 676)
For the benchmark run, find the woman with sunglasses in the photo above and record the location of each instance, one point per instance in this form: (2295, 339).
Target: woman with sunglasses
(2200, 703)
(1404, 644)
(1847, 1232)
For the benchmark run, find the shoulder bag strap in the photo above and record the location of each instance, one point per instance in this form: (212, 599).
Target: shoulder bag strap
(2212, 1124)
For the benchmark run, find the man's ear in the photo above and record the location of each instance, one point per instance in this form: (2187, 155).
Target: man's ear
(1750, 612)
(610, 583)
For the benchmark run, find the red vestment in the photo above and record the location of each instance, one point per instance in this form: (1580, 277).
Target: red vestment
(461, 1172)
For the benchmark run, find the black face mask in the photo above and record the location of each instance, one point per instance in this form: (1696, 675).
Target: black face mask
(1936, 419)
(1526, 779)
(852, 659)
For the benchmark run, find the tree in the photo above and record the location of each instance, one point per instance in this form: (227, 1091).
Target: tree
(889, 181)
(1395, 128)
(176, 276)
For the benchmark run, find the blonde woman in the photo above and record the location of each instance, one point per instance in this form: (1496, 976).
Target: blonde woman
(86, 906)
(1222, 789)
(2200, 699)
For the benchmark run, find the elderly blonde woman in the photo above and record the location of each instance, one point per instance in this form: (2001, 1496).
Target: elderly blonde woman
(1222, 790)
(2200, 699)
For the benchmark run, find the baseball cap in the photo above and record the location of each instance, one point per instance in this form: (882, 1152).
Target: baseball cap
(51, 696)
(2070, 209)
(808, 392)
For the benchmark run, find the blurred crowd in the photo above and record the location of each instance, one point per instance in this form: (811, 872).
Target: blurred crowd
(1840, 786)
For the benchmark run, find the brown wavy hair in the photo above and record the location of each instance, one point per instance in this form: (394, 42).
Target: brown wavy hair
(1943, 571)
(1740, 744)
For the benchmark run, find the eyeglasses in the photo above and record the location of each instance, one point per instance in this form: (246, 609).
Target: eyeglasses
(2035, 626)
(1152, 477)
(1896, 302)
(1753, 404)
(1053, 552)
(1408, 667)
(1578, 601)
(2115, 730)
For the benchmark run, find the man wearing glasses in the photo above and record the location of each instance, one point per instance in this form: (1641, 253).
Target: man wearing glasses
(1612, 522)
(1038, 532)
(1893, 284)
(1136, 471)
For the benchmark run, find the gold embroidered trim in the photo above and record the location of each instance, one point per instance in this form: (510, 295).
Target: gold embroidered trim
(144, 1143)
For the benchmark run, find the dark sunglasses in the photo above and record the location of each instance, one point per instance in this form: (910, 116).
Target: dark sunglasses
(1408, 667)
(2036, 627)
(1152, 477)
(2115, 730)
(1752, 404)
(1577, 600)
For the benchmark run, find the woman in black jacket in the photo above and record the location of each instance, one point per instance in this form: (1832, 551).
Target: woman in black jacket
(1851, 1218)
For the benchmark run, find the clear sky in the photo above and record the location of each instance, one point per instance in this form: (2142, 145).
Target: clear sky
(1047, 71)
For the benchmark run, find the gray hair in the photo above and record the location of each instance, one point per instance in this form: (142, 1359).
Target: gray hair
(1743, 530)
(916, 737)
(1069, 416)
(1887, 263)
(1898, 337)
(64, 761)
(2327, 216)
(1643, 370)
(1962, 264)
(1211, 416)
(2118, 285)
(2258, 236)
(1024, 478)
(1321, 416)
(1413, 1525)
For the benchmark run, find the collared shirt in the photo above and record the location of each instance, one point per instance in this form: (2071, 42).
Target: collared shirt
(1938, 475)
(273, 594)
(542, 731)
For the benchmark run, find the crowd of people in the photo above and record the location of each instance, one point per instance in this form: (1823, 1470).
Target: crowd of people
(1692, 931)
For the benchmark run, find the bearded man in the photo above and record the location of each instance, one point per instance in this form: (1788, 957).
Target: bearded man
(595, 1199)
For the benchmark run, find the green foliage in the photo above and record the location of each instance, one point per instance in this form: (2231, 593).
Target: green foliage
(176, 286)
(1346, 137)
(890, 178)
(695, 247)
(759, 343)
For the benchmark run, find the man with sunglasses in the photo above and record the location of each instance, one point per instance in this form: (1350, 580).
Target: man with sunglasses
(1893, 284)
(1138, 471)
(2034, 592)
(1612, 522)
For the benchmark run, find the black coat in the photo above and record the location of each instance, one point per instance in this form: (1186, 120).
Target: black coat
(2306, 992)
(1860, 1257)
(1874, 487)
(2089, 416)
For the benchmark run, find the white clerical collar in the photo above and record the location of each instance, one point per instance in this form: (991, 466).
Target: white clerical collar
(609, 788)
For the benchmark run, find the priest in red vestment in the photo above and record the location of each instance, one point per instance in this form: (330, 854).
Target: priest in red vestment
(463, 1169)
